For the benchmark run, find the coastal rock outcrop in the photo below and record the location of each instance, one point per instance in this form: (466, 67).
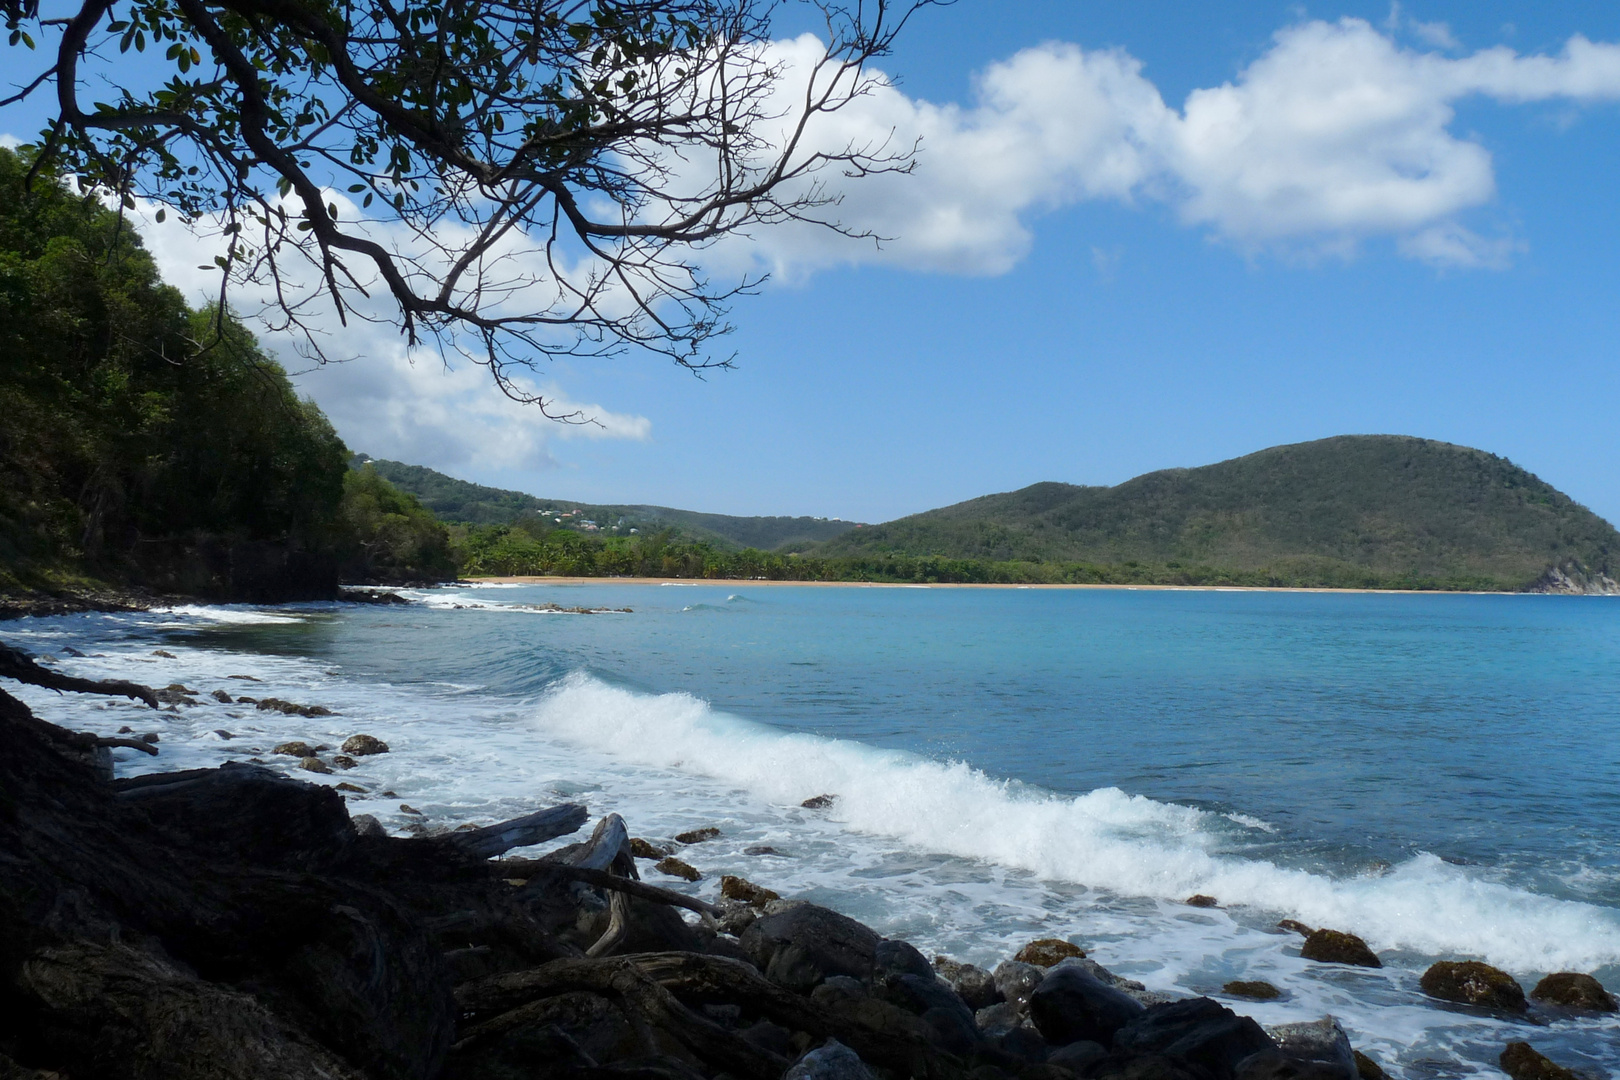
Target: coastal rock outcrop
(976, 985)
(1470, 982)
(745, 891)
(1254, 990)
(1199, 1031)
(364, 745)
(1338, 947)
(1574, 990)
(798, 944)
(1071, 1004)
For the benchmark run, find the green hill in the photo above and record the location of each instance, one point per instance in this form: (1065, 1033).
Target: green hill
(474, 504)
(1386, 505)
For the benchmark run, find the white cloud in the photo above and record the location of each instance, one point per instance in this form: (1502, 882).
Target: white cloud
(9, 141)
(1336, 134)
(390, 401)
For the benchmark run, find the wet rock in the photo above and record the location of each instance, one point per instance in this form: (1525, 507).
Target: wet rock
(819, 802)
(1367, 1068)
(1129, 987)
(355, 788)
(295, 749)
(289, 708)
(1071, 1004)
(405, 808)
(1338, 947)
(1321, 1042)
(762, 849)
(1574, 990)
(221, 696)
(799, 945)
(314, 765)
(1199, 1031)
(1016, 980)
(175, 697)
(894, 957)
(1255, 990)
(1522, 1062)
(738, 918)
(676, 868)
(1470, 982)
(222, 733)
(772, 1038)
(976, 985)
(1296, 926)
(344, 761)
(831, 1061)
(68, 650)
(641, 849)
(364, 745)
(166, 654)
(366, 825)
(245, 700)
(243, 678)
(151, 737)
(950, 1020)
(1022, 1043)
(1077, 1056)
(736, 888)
(697, 836)
(1200, 900)
(1048, 951)
(998, 1019)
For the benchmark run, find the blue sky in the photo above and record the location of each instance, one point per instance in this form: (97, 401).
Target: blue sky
(1415, 235)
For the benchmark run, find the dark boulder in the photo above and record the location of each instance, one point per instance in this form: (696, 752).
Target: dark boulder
(1367, 1068)
(1201, 900)
(245, 812)
(741, 889)
(1470, 982)
(1574, 990)
(1026, 1044)
(1338, 947)
(1199, 1031)
(894, 957)
(1319, 1050)
(830, 1061)
(1071, 1004)
(677, 868)
(950, 1020)
(697, 836)
(800, 944)
(1077, 1056)
(1522, 1062)
(364, 745)
(976, 985)
(1015, 981)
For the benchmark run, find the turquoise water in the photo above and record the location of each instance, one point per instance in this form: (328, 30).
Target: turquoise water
(1436, 773)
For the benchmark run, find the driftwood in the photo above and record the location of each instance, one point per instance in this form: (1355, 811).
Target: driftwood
(15, 665)
(132, 744)
(601, 879)
(608, 850)
(621, 979)
(535, 828)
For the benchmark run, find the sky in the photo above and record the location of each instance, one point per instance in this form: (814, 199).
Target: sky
(1138, 237)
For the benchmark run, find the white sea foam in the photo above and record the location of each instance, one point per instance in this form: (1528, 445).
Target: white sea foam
(1107, 839)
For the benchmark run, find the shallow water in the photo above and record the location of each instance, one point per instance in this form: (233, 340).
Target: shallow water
(1435, 773)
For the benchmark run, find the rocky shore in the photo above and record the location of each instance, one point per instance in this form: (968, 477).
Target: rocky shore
(234, 922)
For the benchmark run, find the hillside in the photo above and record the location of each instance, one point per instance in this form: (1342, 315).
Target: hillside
(1393, 506)
(459, 501)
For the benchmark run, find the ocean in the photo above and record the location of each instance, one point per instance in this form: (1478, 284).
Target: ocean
(1439, 774)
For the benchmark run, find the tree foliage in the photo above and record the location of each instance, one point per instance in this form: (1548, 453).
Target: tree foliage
(519, 178)
(133, 451)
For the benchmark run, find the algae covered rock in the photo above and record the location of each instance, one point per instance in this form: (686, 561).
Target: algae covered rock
(295, 749)
(364, 745)
(1521, 1061)
(1048, 951)
(1573, 990)
(1470, 982)
(643, 849)
(315, 765)
(1338, 947)
(1254, 990)
(1200, 900)
(1367, 1068)
(736, 888)
(677, 868)
(697, 836)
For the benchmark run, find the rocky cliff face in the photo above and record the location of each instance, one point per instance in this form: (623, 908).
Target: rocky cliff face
(1575, 580)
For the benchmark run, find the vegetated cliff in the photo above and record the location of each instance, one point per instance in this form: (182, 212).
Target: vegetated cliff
(1396, 507)
(148, 444)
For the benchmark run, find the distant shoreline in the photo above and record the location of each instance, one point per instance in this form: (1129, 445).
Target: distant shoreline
(545, 579)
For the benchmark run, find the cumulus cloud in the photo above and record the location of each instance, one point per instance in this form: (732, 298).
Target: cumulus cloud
(1336, 134)
(390, 401)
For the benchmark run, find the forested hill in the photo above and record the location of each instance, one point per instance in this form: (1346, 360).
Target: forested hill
(474, 504)
(1393, 506)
